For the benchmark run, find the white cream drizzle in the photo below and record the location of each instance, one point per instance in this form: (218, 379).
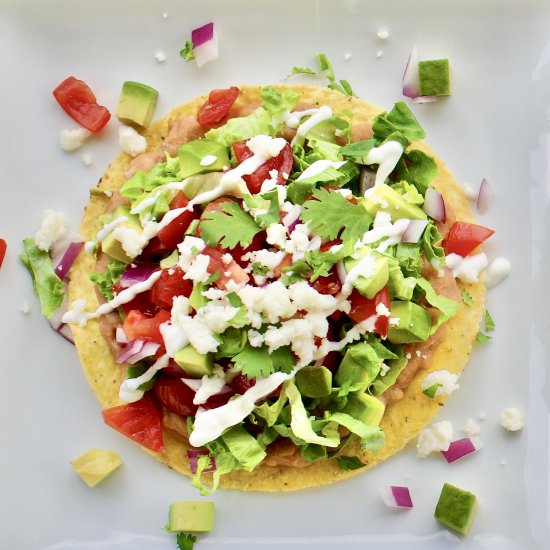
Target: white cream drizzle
(103, 233)
(386, 156)
(318, 167)
(317, 116)
(129, 391)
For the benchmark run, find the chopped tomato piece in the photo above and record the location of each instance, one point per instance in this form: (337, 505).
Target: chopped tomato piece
(213, 112)
(79, 102)
(286, 262)
(282, 163)
(138, 326)
(170, 284)
(240, 383)
(155, 251)
(362, 308)
(465, 237)
(141, 302)
(176, 396)
(174, 232)
(140, 421)
(328, 285)
(228, 272)
(3, 248)
(218, 399)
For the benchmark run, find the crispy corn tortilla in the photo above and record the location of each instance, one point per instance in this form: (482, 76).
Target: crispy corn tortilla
(402, 420)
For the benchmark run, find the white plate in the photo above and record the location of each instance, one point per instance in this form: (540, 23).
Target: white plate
(494, 126)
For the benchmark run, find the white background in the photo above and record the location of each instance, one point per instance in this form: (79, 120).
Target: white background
(494, 126)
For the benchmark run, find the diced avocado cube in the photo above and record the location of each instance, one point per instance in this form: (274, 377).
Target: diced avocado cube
(137, 104)
(202, 156)
(200, 183)
(414, 325)
(434, 77)
(314, 381)
(113, 247)
(193, 516)
(386, 199)
(382, 383)
(377, 278)
(193, 362)
(95, 465)
(364, 407)
(359, 367)
(456, 508)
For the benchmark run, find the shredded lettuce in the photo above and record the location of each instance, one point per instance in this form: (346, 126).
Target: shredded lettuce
(399, 119)
(447, 308)
(277, 102)
(417, 168)
(47, 285)
(241, 128)
(430, 239)
(244, 447)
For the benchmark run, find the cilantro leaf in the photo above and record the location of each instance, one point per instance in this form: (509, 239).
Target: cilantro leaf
(349, 463)
(482, 338)
(268, 201)
(432, 390)
(331, 213)
(186, 541)
(231, 227)
(187, 53)
(466, 298)
(258, 362)
(489, 323)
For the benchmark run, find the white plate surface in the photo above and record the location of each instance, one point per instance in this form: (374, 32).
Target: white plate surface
(494, 125)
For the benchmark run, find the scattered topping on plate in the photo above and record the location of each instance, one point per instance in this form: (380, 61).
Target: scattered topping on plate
(95, 465)
(445, 381)
(383, 34)
(137, 104)
(87, 159)
(484, 196)
(73, 139)
(497, 271)
(160, 57)
(511, 419)
(397, 497)
(425, 81)
(456, 508)
(203, 46)
(130, 141)
(470, 428)
(437, 437)
(54, 224)
(3, 248)
(25, 307)
(79, 102)
(462, 447)
(191, 516)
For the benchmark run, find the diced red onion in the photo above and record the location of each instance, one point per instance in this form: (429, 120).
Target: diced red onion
(397, 497)
(67, 260)
(136, 350)
(137, 273)
(120, 336)
(193, 456)
(484, 196)
(58, 325)
(462, 447)
(414, 231)
(411, 81)
(205, 44)
(65, 331)
(434, 205)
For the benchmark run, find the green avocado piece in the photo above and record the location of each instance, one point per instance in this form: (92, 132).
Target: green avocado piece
(369, 286)
(194, 157)
(314, 381)
(194, 516)
(359, 367)
(111, 246)
(364, 407)
(137, 104)
(95, 465)
(193, 362)
(196, 299)
(386, 199)
(456, 508)
(414, 324)
(434, 77)
(382, 383)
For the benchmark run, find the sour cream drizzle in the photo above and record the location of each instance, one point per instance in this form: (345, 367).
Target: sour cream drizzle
(318, 167)
(129, 391)
(78, 315)
(210, 424)
(386, 156)
(103, 233)
(317, 116)
(151, 201)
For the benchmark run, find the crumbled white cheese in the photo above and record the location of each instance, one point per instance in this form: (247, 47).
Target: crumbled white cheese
(266, 146)
(160, 57)
(25, 307)
(276, 235)
(382, 310)
(131, 240)
(511, 419)
(347, 56)
(383, 34)
(471, 428)
(255, 338)
(87, 159)
(188, 249)
(437, 437)
(445, 378)
(214, 293)
(227, 258)
(130, 141)
(73, 139)
(53, 225)
(482, 415)
(198, 270)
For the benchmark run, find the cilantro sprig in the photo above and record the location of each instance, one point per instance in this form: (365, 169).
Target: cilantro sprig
(231, 227)
(331, 214)
(256, 362)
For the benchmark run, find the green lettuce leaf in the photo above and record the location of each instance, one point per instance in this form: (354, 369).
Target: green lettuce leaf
(447, 308)
(417, 168)
(106, 280)
(47, 285)
(243, 447)
(348, 463)
(399, 119)
(237, 129)
(276, 102)
(430, 239)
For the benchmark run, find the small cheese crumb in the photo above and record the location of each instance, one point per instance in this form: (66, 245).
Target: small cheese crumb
(87, 159)
(160, 57)
(25, 307)
(164, 15)
(379, 54)
(383, 34)
(437, 437)
(227, 258)
(469, 191)
(502, 462)
(446, 379)
(482, 415)
(471, 428)
(347, 56)
(54, 224)
(73, 139)
(130, 141)
(511, 419)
